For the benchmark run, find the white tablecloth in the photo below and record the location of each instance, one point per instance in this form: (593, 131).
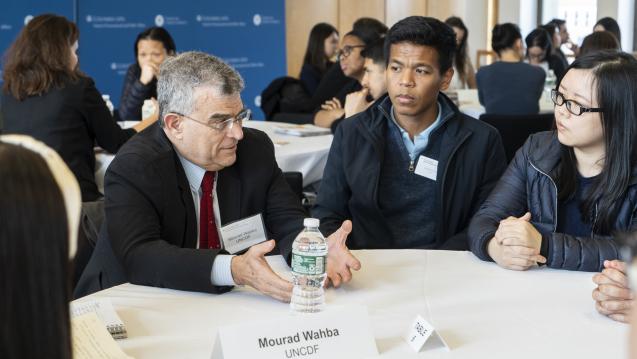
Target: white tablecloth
(483, 311)
(470, 103)
(307, 155)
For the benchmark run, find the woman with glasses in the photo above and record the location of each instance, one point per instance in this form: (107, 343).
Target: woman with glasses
(568, 191)
(321, 48)
(46, 96)
(539, 52)
(352, 64)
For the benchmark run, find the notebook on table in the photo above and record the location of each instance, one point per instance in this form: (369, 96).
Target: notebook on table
(105, 312)
(301, 130)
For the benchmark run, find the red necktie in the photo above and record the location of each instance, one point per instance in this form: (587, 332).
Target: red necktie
(208, 236)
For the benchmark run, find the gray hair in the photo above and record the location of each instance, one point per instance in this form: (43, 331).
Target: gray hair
(181, 75)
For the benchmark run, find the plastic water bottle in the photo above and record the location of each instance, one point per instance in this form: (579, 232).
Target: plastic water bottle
(109, 104)
(309, 259)
(550, 80)
(148, 108)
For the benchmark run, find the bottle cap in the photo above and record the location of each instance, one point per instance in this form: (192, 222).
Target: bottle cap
(311, 222)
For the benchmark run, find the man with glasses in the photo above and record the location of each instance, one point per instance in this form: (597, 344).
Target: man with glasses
(170, 192)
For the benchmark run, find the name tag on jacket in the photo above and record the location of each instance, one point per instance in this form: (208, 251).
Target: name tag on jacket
(427, 167)
(243, 233)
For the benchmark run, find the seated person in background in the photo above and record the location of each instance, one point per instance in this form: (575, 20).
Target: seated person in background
(609, 24)
(47, 97)
(567, 192)
(374, 82)
(40, 211)
(554, 61)
(321, 48)
(565, 39)
(464, 76)
(613, 296)
(539, 53)
(538, 48)
(334, 80)
(598, 41)
(410, 170)
(152, 46)
(352, 63)
(171, 190)
(509, 86)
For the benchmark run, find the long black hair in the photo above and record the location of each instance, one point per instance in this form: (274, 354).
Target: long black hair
(615, 83)
(461, 57)
(315, 52)
(611, 26)
(34, 259)
(157, 34)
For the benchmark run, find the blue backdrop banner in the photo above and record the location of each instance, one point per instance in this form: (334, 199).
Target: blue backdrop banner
(247, 34)
(16, 13)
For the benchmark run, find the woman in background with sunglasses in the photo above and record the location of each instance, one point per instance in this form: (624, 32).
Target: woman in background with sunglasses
(568, 191)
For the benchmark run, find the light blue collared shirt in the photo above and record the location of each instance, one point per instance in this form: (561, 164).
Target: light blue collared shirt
(222, 266)
(420, 140)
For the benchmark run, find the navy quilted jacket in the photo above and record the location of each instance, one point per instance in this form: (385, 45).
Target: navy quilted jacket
(527, 185)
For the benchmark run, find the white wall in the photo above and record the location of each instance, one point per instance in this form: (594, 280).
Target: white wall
(626, 20)
(527, 15)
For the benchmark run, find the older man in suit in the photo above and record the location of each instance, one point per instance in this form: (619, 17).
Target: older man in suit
(171, 189)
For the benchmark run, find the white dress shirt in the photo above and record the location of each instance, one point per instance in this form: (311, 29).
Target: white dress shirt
(221, 273)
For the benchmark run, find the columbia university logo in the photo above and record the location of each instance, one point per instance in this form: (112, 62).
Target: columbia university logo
(159, 20)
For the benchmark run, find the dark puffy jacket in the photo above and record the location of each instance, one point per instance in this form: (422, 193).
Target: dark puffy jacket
(527, 185)
(471, 162)
(134, 93)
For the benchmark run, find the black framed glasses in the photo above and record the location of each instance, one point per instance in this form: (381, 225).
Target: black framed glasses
(347, 50)
(225, 125)
(571, 105)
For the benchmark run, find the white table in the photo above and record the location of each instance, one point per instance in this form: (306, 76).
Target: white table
(470, 103)
(307, 155)
(483, 311)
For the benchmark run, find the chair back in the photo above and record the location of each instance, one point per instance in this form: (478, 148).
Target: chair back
(515, 129)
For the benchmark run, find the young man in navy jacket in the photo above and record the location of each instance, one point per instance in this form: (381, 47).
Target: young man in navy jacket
(411, 170)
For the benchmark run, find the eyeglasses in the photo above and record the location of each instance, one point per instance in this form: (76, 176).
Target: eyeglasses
(225, 125)
(347, 50)
(572, 106)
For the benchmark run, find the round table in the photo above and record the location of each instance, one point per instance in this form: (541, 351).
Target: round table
(480, 309)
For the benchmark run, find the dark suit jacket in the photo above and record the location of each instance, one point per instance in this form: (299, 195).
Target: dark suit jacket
(70, 119)
(150, 217)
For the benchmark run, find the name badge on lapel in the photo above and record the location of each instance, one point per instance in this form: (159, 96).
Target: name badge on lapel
(243, 233)
(427, 168)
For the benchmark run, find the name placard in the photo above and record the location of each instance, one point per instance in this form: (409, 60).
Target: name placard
(339, 332)
(421, 332)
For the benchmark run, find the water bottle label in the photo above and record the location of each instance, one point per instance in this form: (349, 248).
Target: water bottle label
(308, 265)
